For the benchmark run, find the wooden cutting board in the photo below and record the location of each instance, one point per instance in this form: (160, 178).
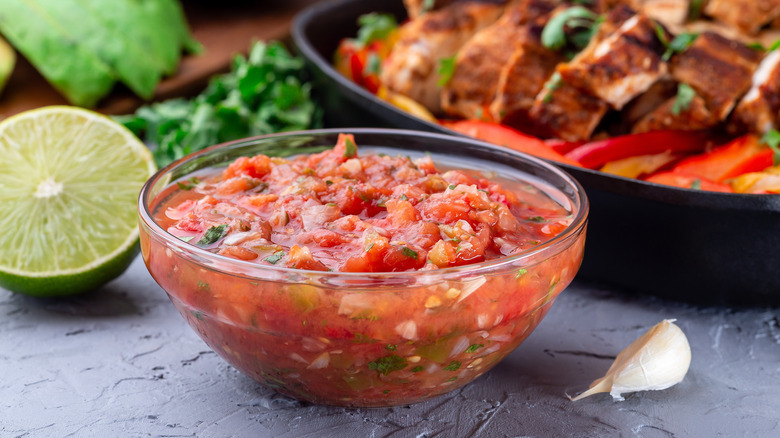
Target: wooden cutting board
(224, 31)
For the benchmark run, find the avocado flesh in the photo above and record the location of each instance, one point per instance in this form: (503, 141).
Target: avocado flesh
(7, 62)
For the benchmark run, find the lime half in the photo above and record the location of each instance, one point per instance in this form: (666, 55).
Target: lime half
(69, 183)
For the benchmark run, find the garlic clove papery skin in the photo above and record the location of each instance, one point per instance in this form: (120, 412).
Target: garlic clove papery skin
(660, 358)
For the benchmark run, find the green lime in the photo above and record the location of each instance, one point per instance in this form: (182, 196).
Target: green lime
(69, 183)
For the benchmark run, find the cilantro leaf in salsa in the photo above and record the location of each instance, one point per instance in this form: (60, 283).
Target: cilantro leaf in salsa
(350, 150)
(265, 92)
(388, 364)
(212, 235)
(275, 257)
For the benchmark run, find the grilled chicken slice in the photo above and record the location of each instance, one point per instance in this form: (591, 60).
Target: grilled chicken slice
(562, 111)
(670, 13)
(720, 70)
(694, 117)
(749, 16)
(522, 77)
(618, 66)
(416, 8)
(479, 62)
(758, 111)
(412, 67)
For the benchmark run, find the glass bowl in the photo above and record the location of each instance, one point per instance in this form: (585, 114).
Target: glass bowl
(366, 339)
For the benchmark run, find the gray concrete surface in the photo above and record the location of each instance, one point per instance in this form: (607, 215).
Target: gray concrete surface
(122, 362)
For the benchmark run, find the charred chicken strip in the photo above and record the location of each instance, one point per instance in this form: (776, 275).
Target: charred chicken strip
(749, 16)
(479, 63)
(667, 116)
(412, 67)
(758, 111)
(562, 111)
(670, 13)
(618, 66)
(719, 69)
(522, 77)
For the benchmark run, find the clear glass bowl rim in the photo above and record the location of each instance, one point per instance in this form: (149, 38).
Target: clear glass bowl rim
(542, 251)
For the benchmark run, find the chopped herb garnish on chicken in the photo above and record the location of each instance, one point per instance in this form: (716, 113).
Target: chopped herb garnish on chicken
(685, 95)
(677, 45)
(375, 27)
(579, 21)
(772, 139)
(446, 70)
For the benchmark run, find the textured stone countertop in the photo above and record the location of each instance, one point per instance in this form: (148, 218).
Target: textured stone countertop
(122, 362)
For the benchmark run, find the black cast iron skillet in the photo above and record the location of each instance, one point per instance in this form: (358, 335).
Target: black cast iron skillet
(688, 245)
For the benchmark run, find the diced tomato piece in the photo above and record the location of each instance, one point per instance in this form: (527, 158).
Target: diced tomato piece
(401, 212)
(255, 167)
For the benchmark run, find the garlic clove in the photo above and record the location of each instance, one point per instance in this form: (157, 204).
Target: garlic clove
(657, 360)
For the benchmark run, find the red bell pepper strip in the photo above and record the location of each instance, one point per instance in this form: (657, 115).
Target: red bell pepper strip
(505, 136)
(742, 155)
(678, 179)
(563, 146)
(595, 154)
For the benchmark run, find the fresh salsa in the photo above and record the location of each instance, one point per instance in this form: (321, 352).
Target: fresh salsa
(367, 339)
(339, 211)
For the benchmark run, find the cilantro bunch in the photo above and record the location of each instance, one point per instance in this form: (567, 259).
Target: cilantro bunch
(264, 93)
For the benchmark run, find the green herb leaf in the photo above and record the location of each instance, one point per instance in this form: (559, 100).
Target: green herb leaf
(390, 347)
(772, 139)
(373, 65)
(473, 348)
(427, 5)
(453, 366)
(212, 235)
(678, 45)
(521, 272)
(446, 70)
(409, 252)
(417, 369)
(694, 12)
(189, 184)
(275, 257)
(685, 95)
(265, 92)
(388, 364)
(375, 27)
(537, 219)
(403, 197)
(696, 184)
(350, 150)
(551, 85)
(554, 33)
